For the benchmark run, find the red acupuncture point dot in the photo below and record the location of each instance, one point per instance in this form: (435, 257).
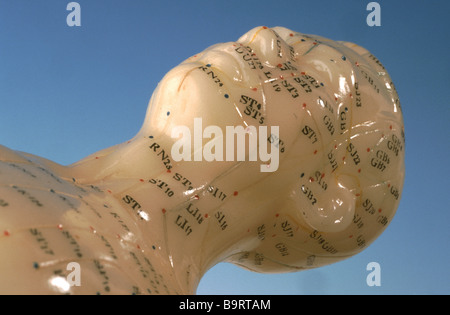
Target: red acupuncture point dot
(163, 211)
(141, 180)
(60, 226)
(6, 233)
(368, 149)
(235, 193)
(304, 105)
(265, 27)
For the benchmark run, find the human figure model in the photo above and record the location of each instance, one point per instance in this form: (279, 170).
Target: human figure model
(132, 219)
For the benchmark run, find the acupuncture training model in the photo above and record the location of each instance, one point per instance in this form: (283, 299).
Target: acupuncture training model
(279, 152)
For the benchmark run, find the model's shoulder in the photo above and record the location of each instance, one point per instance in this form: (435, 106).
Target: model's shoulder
(8, 155)
(26, 170)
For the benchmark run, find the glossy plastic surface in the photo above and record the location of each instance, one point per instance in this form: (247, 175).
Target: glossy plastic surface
(138, 221)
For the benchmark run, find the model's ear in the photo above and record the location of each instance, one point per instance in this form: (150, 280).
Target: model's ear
(343, 165)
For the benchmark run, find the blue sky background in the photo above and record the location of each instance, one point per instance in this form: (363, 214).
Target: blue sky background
(66, 92)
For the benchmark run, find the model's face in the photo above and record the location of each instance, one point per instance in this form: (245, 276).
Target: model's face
(257, 82)
(211, 95)
(337, 117)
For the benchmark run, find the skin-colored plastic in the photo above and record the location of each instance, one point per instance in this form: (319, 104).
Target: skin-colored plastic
(135, 220)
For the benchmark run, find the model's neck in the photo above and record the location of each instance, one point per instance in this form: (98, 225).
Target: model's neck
(173, 213)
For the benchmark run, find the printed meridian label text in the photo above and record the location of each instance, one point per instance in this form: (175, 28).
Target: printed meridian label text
(213, 150)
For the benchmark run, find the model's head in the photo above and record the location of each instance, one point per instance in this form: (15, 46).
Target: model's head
(333, 146)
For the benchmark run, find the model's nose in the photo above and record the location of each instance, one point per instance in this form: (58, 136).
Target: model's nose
(268, 45)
